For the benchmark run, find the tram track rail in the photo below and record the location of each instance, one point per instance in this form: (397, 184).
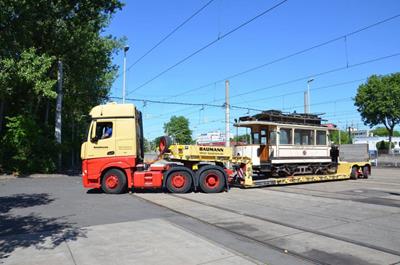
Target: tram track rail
(300, 228)
(238, 234)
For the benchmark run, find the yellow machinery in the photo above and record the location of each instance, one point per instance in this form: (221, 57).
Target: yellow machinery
(197, 154)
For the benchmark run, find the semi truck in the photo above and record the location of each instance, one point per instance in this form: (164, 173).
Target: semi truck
(113, 156)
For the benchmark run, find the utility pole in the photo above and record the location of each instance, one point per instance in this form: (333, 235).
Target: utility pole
(305, 102)
(308, 95)
(58, 118)
(126, 48)
(227, 125)
(351, 141)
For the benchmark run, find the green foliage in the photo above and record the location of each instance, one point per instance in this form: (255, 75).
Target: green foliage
(383, 145)
(27, 148)
(178, 128)
(155, 143)
(147, 145)
(35, 35)
(378, 101)
(344, 137)
(29, 70)
(382, 131)
(245, 138)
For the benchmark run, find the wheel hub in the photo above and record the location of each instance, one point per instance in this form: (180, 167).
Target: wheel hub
(178, 181)
(212, 180)
(112, 181)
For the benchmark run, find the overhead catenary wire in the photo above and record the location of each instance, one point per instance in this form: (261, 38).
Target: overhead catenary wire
(170, 102)
(184, 103)
(208, 45)
(344, 36)
(259, 89)
(322, 103)
(316, 74)
(311, 89)
(170, 34)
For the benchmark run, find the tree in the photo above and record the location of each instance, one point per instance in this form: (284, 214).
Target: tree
(178, 128)
(155, 144)
(34, 35)
(378, 101)
(383, 146)
(245, 138)
(344, 137)
(147, 145)
(382, 131)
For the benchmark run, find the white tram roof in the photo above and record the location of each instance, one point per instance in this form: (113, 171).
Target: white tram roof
(276, 124)
(277, 118)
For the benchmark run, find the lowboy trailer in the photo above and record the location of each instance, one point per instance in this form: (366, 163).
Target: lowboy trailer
(113, 160)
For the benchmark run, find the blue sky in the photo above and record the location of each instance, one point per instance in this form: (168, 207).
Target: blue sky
(293, 26)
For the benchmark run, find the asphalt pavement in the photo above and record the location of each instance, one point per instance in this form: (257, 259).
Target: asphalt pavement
(53, 220)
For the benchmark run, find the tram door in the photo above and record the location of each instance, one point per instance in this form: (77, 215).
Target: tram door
(264, 148)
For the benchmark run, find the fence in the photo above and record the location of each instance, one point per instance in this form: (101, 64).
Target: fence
(386, 160)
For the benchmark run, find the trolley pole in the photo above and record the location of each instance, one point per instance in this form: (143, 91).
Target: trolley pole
(227, 125)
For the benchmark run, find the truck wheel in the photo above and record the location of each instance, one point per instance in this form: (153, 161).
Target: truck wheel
(365, 171)
(113, 181)
(211, 180)
(179, 182)
(354, 173)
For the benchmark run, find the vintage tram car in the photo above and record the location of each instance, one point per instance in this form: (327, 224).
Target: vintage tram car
(284, 144)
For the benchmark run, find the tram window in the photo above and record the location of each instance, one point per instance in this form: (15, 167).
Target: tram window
(256, 138)
(272, 137)
(303, 137)
(285, 136)
(321, 138)
(263, 138)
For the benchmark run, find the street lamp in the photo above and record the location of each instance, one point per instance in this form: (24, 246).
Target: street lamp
(126, 48)
(307, 98)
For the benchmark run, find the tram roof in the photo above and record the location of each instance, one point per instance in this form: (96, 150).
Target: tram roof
(278, 118)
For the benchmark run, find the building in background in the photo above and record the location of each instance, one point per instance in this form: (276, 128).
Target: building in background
(211, 138)
(373, 140)
(361, 133)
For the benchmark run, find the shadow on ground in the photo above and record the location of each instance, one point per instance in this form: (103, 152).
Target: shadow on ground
(154, 190)
(18, 231)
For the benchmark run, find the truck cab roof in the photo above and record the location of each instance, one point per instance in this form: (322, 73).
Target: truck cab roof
(113, 110)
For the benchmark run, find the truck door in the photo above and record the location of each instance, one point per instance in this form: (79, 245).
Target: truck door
(102, 139)
(264, 148)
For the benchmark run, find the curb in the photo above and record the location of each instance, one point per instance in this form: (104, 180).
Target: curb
(37, 176)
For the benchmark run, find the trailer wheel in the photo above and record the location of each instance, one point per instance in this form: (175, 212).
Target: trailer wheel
(211, 180)
(113, 181)
(179, 182)
(354, 173)
(365, 171)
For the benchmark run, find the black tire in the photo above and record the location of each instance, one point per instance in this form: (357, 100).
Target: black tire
(354, 173)
(211, 179)
(179, 181)
(366, 172)
(113, 181)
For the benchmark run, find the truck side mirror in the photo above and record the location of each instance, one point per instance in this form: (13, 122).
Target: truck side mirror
(94, 139)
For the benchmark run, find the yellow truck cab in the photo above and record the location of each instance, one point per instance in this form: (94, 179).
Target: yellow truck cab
(114, 143)
(112, 157)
